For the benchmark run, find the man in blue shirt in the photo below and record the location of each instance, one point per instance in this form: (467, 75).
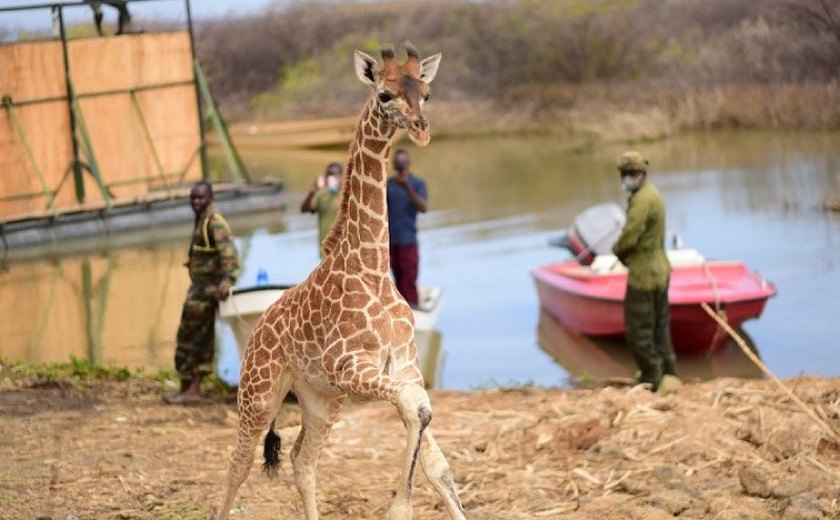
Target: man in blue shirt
(406, 197)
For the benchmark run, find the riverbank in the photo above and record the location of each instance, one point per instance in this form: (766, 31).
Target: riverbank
(592, 115)
(107, 447)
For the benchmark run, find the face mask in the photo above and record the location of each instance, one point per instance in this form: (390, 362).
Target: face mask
(332, 183)
(631, 183)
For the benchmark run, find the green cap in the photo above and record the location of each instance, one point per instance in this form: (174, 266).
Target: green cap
(632, 161)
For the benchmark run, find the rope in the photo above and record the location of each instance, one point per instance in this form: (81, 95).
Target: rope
(751, 355)
(239, 318)
(713, 282)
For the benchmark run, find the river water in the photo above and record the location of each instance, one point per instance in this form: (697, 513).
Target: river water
(752, 196)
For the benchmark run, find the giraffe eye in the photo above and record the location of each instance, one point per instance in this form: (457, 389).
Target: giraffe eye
(428, 96)
(385, 97)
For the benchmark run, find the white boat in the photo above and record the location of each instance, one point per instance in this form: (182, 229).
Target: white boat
(427, 311)
(245, 306)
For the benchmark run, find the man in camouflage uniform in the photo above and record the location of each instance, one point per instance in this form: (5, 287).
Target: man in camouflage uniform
(641, 247)
(213, 265)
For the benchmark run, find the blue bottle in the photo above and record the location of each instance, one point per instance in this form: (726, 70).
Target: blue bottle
(262, 277)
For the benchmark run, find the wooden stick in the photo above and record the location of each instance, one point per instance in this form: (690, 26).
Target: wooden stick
(751, 355)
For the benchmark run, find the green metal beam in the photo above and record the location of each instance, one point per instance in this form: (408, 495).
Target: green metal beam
(235, 164)
(87, 144)
(150, 141)
(9, 105)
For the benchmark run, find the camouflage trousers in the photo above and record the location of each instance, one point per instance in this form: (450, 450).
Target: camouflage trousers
(196, 333)
(648, 333)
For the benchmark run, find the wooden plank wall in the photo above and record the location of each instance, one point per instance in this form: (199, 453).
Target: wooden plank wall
(99, 67)
(32, 71)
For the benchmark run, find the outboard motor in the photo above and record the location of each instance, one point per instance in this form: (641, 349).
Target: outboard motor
(593, 232)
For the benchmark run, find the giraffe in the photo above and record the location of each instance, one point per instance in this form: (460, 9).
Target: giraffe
(345, 329)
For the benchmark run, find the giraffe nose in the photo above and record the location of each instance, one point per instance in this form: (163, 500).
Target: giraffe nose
(420, 125)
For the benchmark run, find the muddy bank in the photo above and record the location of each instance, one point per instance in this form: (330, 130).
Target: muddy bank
(726, 449)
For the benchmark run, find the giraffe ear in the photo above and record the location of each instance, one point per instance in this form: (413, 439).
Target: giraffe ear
(429, 68)
(365, 66)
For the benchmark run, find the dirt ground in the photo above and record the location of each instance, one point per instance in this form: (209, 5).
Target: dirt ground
(726, 449)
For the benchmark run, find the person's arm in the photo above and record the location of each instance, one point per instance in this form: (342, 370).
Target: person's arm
(229, 257)
(418, 197)
(633, 227)
(307, 206)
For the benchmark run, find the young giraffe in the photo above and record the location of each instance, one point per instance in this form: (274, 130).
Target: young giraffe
(345, 329)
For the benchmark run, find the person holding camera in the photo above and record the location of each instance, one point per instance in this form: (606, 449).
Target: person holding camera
(407, 196)
(324, 198)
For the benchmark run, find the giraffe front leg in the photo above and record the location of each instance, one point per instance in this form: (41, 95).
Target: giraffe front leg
(363, 378)
(437, 471)
(415, 410)
(318, 413)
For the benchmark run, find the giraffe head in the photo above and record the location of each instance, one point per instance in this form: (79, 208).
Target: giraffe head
(401, 90)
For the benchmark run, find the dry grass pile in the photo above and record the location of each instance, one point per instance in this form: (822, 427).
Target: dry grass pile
(726, 449)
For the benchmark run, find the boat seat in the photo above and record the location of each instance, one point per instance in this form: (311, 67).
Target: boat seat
(685, 257)
(605, 264)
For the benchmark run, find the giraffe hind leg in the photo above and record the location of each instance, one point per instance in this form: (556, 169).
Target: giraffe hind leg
(255, 412)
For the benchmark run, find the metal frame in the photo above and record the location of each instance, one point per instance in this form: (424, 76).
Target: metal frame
(78, 132)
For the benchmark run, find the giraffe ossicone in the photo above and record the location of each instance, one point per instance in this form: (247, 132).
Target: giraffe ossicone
(345, 329)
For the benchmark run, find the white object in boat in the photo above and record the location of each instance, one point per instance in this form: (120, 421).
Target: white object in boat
(604, 264)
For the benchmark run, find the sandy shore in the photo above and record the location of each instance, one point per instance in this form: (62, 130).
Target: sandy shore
(726, 449)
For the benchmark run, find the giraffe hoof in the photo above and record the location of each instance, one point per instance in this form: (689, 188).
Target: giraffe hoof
(400, 512)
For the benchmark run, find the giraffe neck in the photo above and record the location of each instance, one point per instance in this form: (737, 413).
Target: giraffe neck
(360, 234)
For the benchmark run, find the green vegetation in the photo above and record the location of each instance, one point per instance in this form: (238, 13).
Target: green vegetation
(76, 369)
(572, 65)
(78, 372)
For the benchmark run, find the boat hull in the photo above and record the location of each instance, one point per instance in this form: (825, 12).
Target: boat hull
(128, 222)
(594, 305)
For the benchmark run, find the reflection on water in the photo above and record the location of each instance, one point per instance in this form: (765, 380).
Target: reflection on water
(122, 308)
(592, 360)
(494, 202)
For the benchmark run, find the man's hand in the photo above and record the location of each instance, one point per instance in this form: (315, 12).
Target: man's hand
(402, 179)
(223, 291)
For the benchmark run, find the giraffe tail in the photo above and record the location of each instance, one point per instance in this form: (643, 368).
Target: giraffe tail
(271, 452)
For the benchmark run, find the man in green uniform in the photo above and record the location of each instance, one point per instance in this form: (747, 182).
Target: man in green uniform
(324, 198)
(213, 265)
(641, 247)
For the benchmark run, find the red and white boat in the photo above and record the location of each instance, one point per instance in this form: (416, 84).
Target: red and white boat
(589, 299)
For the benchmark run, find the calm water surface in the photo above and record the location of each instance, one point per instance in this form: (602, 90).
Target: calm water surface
(495, 202)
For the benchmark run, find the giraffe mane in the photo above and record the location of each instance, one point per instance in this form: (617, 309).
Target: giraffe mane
(332, 239)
